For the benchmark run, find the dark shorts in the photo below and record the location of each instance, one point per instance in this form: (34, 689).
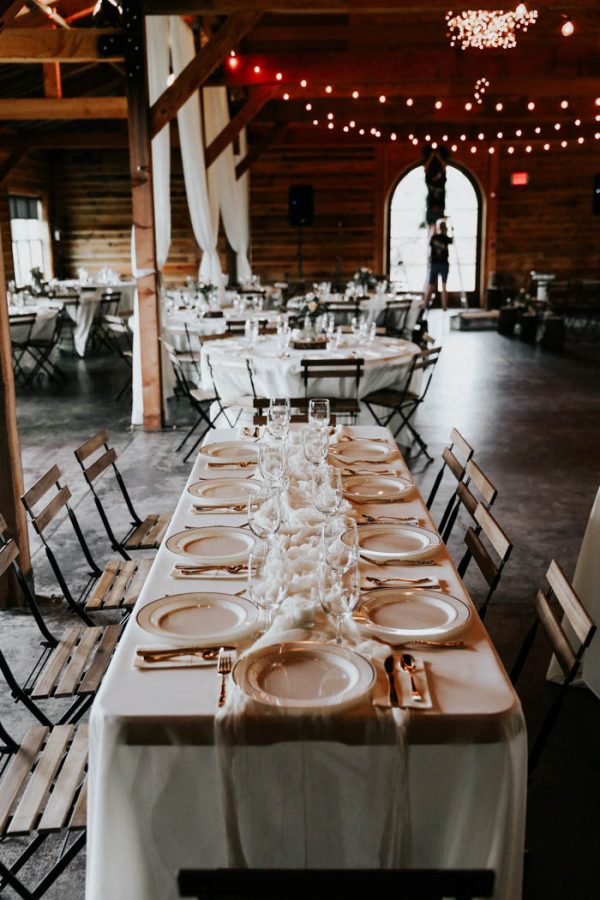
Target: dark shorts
(438, 269)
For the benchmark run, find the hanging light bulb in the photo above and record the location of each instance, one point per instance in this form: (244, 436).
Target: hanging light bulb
(355, 95)
(410, 101)
(567, 28)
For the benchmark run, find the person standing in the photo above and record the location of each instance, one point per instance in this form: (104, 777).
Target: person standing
(438, 264)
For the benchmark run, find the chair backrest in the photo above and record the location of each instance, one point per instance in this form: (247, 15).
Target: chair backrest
(332, 368)
(454, 457)
(117, 325)
(178, 370)
(21, 326)
(575, 613)
(276, 884)
(109, 303)
(475, 487)
(236, 326)
(395, 316)
(298, 408)
(425, 362)
(491, 568)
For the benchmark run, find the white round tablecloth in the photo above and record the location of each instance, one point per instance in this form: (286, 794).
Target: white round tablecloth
(386, 361)
(45, 314)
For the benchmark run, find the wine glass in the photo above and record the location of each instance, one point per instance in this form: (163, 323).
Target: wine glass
(318, 412)
(278, 417)
(339, 593)
(271, 460)
(267, 582)
(316, 445)
(339, 542)
(264, 513)
(327, 490)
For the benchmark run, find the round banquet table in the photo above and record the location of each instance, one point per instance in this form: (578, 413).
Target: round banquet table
(373, 306)
(277, 374)
(45, 313)
(175, 322)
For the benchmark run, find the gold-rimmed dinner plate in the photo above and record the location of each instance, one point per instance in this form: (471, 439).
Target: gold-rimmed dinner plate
(230, 452)
(403, 614)
(304, 676)
(213, 544)
(208, 618)
(376, 488)
(362, 451)
(224, 491)
(402, 542)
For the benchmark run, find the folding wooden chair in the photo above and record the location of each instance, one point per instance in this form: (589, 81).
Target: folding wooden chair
(348, 369)
(71, 666)
(40, 349)
(474, 488)
(42, 793)
(342, 311)
(198, 399)
(107, 305)
(242, 402)
(486, 526)
(143, 534)
(114, 588)
(116, 333)
(404, 401)
(299, 409)
(568, 655)
(289, 884)
(395, 317)
(454, 458)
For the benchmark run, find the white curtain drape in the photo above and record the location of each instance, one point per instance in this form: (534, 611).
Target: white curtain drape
(227, 194)
(192, 153)
(157, 48)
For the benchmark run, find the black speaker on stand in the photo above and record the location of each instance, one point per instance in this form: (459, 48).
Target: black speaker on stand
(301, 212)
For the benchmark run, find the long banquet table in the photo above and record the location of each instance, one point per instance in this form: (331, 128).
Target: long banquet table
(158, 766)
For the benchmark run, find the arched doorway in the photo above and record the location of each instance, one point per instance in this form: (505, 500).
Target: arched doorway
(408, 235)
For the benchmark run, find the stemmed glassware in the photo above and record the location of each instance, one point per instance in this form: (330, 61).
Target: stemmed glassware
(327, 490)
(316, 445)
(264, 513)
(267, 582)
(279, 417)
(272, 460)
(319, 412)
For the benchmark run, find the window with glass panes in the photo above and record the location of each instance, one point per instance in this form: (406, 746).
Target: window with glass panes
(30, 237)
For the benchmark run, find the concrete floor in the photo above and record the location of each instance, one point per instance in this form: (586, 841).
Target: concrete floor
(534, 419)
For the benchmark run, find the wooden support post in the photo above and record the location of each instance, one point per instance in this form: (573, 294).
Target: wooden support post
(258, 98)
(11, 472)
(491, 222)
(198, 70)
(142, 197)
(52, 80)
(257, 149)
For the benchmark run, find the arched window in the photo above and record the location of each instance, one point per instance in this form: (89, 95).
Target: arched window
(409, 238)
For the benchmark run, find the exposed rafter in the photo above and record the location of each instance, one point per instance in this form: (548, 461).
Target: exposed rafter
(41, 45)
(66, 108)
(258, 98)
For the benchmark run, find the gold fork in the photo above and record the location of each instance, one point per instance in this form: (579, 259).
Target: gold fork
(231, 465)
(223, 669)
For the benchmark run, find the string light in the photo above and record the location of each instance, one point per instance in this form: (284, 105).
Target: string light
(330, 115)
(463, 137)
(438, 104)
(580, 140)
(491, 150)
(352, 124)
(382, 98)
(308, 107)
(328, 89)
(481, 86)
(528, 148)
(473, 149)
(257, 70)
(511, 150)
(468, 106)
(563, 144)
(499, 107)
(233, 61)
(355, 95)
(315, 121)
(279, 76)
(303, 83)
(597, 101)
(500, 135)
(361, 131)
(485, 29)
(557, 126)
(481, 136)
(454, 148)
(330, 124)
(286, 96)
(518, 132)
(564, 104)
(531, 106)
(410, 101)
(445, 138)
(567, 28)
(577, 122)
(393, 136)
(546, 146)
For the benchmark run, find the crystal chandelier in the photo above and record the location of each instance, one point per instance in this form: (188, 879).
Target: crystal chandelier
(484, 29)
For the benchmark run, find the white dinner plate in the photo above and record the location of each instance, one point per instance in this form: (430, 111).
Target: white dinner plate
(206, 618)
(302, 676)
(376, 488)
(362, 451)
(409, 542)
(224, 491)
(230, 452)
(401, 614)
(213, 544)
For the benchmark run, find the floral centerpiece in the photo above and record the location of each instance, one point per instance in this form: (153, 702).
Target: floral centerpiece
(364, 279)
(308, 312)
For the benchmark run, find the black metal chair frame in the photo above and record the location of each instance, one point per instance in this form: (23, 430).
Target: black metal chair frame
(457, 468)
(569, 659)
(400, 307)
(107, 305)
(330, 369)
(491, 571)
(41, 350)
(117, 335)
(198, 406)
(20, 346)
(289, 884)
(408, 402)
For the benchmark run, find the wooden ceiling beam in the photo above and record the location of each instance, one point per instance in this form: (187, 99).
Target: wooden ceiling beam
(200, 68)
(258, 99)
(259, 146)
(9, 11)
(312, 7)
(66, 108)
(45, 45)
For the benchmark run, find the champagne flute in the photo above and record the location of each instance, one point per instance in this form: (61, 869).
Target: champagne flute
(339, 593)
(316, 445)
(264, 513)
(327, 490)
(267, 583)
(278, 417)
(271, 460)
(319, 412)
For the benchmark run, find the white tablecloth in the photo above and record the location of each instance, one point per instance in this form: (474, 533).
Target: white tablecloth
(45, 314)
(586, 583)
(386, 361)
(83, 312)
(372, 307)
(155, 803)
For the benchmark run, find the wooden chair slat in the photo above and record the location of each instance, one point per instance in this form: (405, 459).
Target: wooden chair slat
(483, 559)
(137, 582)
(8, 554)
(41, 521)
(17, 771)
(100, 589)
(79, 817)
(558, 639)
(91, 445)
(95, 673)
(100, 465)
(44, 685)
(454, 464)
(461, 444)
(580, 621)
(492, 530)
(483, 484)
(156, 533)
(74, 669)
(41, 487)
(135, 541)
(468, 500)
(33, 798)
(61, 800)
(115, 595)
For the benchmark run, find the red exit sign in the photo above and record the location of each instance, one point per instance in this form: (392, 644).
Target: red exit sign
(519, 179)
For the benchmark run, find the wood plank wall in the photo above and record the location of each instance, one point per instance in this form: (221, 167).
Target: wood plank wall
(547, 225)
